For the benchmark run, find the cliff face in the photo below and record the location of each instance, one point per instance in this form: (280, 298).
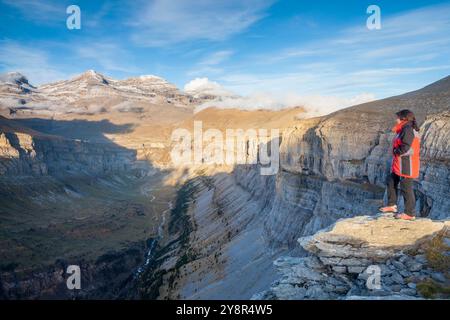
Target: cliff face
(30, 154)
(331, 167)
(433, 188)
(212, 248)
(106, 278)
(336, 166)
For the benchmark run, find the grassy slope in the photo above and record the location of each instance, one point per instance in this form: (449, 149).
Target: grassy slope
(75, 218)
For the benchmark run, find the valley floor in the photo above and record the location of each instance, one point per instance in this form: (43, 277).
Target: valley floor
(76, 220)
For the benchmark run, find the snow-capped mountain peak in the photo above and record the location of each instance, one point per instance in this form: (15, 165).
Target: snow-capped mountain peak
(150, 77)
(13, 78)
(15, 82)
(90, 92)
(91, 76)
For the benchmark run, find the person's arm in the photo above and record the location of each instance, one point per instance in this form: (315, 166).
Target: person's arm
(407, 137)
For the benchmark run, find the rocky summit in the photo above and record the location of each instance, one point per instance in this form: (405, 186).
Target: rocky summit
(409, 257)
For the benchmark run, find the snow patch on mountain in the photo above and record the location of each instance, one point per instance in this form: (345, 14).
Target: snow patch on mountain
(13, 77)
(16, 79)
(89, 93)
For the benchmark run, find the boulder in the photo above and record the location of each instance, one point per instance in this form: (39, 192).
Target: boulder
(371, 239)
(344, 259)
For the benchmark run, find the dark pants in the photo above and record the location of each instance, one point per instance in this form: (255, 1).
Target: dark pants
(406, 188)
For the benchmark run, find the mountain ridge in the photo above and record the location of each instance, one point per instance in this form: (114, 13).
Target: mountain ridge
(149, 87)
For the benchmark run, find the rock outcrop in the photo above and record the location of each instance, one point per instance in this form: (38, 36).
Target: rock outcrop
(345, 260)
(25, 154)
(15, 83)
(106, 278)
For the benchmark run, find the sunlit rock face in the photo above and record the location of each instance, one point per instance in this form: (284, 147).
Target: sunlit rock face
(331, 167)
(336, 166)
(305, 204)
(433, 188)
(25, 154)
(318, 185)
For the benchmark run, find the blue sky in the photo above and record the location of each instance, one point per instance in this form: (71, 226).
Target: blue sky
(304, 48)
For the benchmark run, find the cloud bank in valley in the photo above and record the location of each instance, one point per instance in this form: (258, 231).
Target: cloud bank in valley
(315, 105)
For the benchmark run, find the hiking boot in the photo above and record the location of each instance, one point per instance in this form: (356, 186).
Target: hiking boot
(404, 216)
(389, 209)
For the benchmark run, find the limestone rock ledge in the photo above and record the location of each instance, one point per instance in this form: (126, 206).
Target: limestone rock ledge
(38, 155)
(343, 258)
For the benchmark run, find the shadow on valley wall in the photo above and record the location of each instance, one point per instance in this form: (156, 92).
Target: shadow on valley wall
(69, 195)
(91, 131)
(290, 204)
(45, 146)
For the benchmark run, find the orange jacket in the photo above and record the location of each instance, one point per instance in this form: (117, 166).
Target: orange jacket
(406, 151)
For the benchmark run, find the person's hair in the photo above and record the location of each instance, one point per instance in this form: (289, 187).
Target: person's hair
(408, 115)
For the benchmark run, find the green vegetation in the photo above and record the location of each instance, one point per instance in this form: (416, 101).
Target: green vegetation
(179, 220)
(430, 289)
(437, 254)
(180, 226)
(77, 218)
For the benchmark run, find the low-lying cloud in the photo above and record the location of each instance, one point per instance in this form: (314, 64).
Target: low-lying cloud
(203, 86)
(315, 105)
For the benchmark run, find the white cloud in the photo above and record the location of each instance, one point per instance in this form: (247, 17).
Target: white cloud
(109, 55)
(39, 11)
(161, 22)
(357, 59)
(31, 62)
(40, 67)
(251, 102)
(204, 86)
(216, 57)
(315, 104)
(386, 72)
(210, 64)
(404, 27)
(320, 105)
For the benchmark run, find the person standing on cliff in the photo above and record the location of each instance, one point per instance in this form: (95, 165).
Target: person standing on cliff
(405, 165)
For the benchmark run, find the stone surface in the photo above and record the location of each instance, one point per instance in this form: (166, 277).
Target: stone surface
(388, 297)
(367, 237)
(439, 277)
(365, 246)
(414, 266)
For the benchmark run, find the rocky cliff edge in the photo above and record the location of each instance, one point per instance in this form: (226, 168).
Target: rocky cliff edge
(368, 258)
